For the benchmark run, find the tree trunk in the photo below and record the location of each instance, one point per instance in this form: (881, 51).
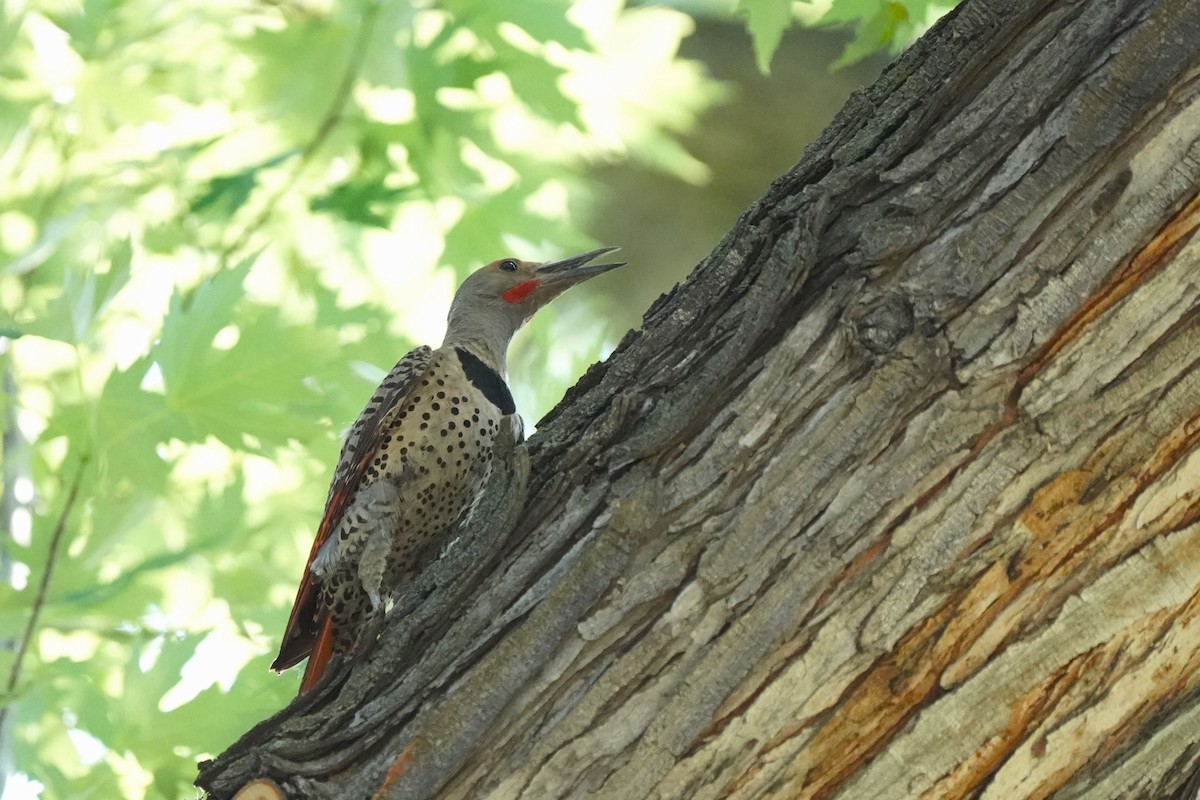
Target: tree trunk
(897, 497)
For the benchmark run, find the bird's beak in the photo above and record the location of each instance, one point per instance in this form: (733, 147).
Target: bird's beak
(560, 275)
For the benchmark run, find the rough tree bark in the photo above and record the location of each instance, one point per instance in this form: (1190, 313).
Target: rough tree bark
(899, 496)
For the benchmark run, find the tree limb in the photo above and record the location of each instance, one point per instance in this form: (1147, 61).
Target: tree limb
(896, 497)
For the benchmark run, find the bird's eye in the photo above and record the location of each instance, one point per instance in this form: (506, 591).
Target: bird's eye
(508, 265)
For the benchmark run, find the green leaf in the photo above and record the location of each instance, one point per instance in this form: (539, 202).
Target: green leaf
(539, 85)
(766, 20)
(370, 197)
(878, 25)
(876, 32)
(128, 425)
(365, 202)
(544, 20)
(193, 320)
(253, 394)
(850, 11)
(225, 194)
(51, 238)
(293, 96)
(86, 293)
(256, 388)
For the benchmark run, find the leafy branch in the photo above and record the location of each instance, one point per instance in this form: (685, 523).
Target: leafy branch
(328, 123)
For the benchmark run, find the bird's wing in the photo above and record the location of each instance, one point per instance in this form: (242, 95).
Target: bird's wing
(364, 439)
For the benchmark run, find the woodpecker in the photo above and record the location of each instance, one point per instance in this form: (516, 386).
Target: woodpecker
(417, 457)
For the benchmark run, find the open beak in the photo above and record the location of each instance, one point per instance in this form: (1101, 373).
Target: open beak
(560, 275)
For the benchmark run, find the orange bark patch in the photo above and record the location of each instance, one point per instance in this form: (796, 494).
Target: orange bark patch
(975, 622)
(399, 766)
(1024, 715)
(882, 702)
(1053, 506)
(1066, 519)
(1133, 273)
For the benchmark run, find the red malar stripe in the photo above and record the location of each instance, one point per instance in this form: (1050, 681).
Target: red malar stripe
(519, 292)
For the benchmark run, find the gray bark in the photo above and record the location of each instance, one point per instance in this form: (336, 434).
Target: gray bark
(898, 496)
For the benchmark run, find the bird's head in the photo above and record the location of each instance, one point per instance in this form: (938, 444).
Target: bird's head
(509, 291)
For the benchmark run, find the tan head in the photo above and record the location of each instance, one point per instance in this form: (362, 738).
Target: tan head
(496, 300)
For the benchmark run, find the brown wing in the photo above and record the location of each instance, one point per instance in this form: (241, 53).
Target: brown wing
(364, 439)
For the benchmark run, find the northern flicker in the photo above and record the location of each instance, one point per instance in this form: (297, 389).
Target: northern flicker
(417, 457)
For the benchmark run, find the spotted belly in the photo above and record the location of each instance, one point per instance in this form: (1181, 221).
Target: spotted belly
(427, 473)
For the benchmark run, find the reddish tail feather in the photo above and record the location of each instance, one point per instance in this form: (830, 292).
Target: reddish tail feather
(318, 660)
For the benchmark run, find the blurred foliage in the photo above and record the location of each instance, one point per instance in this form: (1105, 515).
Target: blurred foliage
(220, 224)
(889, 25)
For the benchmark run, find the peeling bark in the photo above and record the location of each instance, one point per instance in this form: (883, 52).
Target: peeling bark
(899, 496)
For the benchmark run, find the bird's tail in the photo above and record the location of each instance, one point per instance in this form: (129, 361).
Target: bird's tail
(318, 660)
